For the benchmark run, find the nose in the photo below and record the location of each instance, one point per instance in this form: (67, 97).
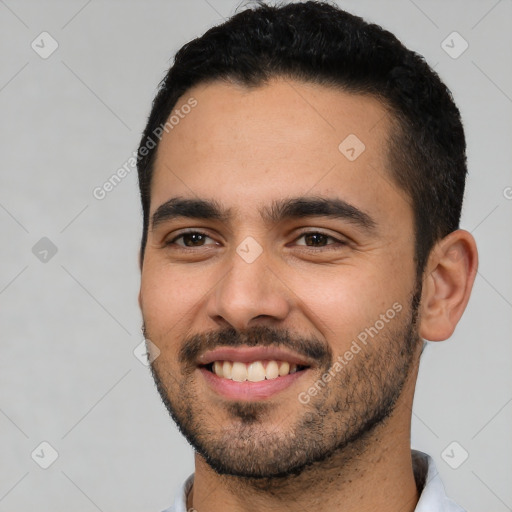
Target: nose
(248, 293)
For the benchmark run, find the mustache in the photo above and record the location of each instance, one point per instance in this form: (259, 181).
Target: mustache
(260, 335)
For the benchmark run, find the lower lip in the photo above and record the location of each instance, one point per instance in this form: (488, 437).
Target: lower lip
(249, 390)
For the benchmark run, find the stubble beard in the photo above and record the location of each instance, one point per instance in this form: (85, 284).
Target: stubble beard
(257, 442)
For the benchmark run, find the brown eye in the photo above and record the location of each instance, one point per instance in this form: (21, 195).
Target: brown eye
(190, 239)
(317, 239)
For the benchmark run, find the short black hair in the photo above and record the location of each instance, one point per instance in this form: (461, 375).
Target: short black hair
(320, 43)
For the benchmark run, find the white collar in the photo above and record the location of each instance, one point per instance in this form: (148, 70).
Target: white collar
(432, 499)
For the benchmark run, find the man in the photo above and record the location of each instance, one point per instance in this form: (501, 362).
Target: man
(301, 175)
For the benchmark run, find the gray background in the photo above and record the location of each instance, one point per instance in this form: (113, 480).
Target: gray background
(70, 321)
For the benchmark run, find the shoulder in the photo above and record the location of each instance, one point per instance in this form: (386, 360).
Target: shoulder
(180, 501)
(433, 496)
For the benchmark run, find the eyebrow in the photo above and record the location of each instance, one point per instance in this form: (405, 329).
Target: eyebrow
(278, 211)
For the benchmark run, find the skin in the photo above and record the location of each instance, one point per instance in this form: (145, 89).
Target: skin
(245, 148)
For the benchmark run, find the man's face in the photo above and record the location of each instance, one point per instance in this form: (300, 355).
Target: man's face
(317, 286)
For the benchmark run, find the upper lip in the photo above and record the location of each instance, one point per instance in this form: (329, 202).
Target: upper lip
(249, 354)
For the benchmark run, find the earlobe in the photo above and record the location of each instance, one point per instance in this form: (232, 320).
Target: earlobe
(447, 285)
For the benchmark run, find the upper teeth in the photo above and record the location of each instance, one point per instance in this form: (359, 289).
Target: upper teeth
(253, 372)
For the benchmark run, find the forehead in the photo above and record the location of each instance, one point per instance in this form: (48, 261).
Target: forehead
(244, 146)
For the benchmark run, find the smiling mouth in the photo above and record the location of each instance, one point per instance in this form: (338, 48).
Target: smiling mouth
(255, 371)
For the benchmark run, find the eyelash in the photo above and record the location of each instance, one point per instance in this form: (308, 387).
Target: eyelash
(300, 235)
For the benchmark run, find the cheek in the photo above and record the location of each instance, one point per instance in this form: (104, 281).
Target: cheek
(168, 297)
(344, 302)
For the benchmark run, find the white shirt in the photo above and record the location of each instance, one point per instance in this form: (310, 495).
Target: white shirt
(432, 499)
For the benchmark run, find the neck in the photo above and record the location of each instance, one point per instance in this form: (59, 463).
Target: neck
(372, 473)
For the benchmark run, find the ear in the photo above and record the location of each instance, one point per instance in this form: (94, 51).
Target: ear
(447, 284)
